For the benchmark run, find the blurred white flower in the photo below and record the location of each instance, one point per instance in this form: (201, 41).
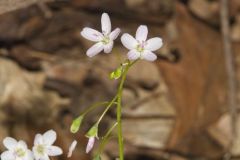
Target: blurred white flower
(17, 150)
(139, 46)
(90, 144)
(71, 148)
(43, 146)
(104, 40)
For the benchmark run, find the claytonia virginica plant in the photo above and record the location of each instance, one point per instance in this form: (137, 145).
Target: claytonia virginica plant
(42, 149)
(139, 48)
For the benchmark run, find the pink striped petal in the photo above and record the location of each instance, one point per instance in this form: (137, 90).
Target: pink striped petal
(91, 34)
(142, 32)
(149, 56)
(106, 24)
(95, 49)
(133, 55)
(154, 44)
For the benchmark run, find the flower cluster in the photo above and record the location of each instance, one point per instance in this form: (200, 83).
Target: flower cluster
(42, 149)
(139, 47)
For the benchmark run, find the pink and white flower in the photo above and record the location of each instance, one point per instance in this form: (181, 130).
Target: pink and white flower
(43, 146)
(17, 150)
(139, 46)
(90, 144)
(104, 41)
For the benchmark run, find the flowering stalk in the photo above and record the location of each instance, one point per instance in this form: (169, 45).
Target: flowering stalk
(139, 48)
(119, 113)
(108, 107)
(119, 109)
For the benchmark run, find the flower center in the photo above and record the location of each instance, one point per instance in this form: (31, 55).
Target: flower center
(140, 46)
(20, 152)
(105, 40)
(40, 149)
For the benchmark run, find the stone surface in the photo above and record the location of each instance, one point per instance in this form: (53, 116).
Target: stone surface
(221, 132)
(235, 30)
(142, 103)
(145, 74)
(24, 94)
(206, 10)
(9, 5)
(147, 132)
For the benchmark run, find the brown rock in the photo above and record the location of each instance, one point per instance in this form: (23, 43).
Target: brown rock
(235, 30)
(206, 10)
(9, 5)
(24, 96)
(152, 133)
(142, 103)
(145, 74)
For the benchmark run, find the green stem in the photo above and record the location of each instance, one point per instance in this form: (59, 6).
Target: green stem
(105, 111)
(105, 139)
(93, 106)
(119, 112)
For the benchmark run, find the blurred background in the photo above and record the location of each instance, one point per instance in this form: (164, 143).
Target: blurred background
(175, 108)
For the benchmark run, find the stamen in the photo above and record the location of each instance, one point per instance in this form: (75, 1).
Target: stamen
(40, 149)
(19, 152)
(105, 40)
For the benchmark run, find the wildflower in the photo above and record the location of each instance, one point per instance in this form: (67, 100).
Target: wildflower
(17, 150)
(140, 47)
(91, 134)
(43, 147)
(104, 40)
(71, 148)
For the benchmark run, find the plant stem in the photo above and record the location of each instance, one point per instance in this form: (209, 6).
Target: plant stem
(119, 112)
(89, 109)
(106, 138)
(105, 111)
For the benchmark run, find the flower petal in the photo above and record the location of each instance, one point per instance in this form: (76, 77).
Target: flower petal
(90, 144)
(91, 34)
(106, 24)
(10, 143)
(29, 155)
(142, 32)
(22, 144)
(128, 41)
(7, 155)
(114, 34)
(133, 55)
(148, 55)
(37, 155)
(38, 139)
(72, 148)
(108, 47)
(41, 157)
(45, 157)
(95, 49)
(54, 151)
(49, 137)
(154, 44)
